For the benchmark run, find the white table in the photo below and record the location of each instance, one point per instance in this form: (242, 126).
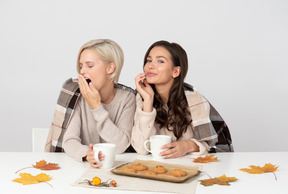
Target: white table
(228, 164)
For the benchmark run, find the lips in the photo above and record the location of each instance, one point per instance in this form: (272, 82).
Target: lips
(150, 74)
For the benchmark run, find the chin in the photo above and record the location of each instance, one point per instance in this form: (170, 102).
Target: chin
(150, 80)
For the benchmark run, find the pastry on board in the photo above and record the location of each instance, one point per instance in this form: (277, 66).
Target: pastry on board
(139, 167)
(177, 173)
(159, 169)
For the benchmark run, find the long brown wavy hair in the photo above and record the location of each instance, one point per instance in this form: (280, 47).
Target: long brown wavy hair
(176, 117)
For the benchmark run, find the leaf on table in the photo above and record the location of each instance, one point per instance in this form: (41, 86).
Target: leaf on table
(43, 165)
(221, 180)
(259, 170)
(206, 159)
(27, 178)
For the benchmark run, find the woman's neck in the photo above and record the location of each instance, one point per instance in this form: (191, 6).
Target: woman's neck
(164, 92)
(107, 93)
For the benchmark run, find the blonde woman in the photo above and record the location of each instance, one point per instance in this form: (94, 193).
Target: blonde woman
(104, 111)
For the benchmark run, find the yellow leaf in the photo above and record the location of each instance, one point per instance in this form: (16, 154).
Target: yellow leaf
(27, 179)
(259, 170)
(206, 159)
(43, 177)
(221, 180)
(227, 179)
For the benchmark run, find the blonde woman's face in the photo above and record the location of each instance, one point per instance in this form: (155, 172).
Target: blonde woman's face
(93, 67)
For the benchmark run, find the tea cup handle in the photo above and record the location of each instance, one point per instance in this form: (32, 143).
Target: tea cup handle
(96, 154)
(145, 145)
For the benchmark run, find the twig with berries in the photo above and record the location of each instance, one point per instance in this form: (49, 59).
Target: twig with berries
(96, 181)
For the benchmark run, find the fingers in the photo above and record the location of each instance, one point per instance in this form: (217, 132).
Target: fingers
(91, 158)
(139, 79)
(168, 145)
(96, 165)
(83, 85)
(92, 88)
(101, 156)
(173, 151)
(89, 92)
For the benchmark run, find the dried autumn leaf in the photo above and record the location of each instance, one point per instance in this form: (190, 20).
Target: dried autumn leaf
(221, 180)
(43, 165)
(27, 178)
(206, 159)
(259, 170)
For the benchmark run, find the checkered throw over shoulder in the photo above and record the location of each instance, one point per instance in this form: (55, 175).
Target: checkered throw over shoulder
(67, 101)
(207, 123)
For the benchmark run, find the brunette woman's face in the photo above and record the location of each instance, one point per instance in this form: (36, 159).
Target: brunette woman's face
(93, 67)
(159, 68)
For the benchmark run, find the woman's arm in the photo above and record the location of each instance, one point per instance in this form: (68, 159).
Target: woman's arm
(118, 133)
(143, 127)
(72, 141)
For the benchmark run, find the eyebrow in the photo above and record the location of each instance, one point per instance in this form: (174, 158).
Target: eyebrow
(158, 57)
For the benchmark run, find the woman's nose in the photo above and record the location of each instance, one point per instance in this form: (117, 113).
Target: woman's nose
(82, 70)
(151, 65)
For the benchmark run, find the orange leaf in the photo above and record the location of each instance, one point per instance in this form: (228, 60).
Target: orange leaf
(206, 159)
(27, 179)
(221, 180)
(43, 165)
(259, 170)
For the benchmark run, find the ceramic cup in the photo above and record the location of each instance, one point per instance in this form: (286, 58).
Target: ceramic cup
(109, 152)
(156, 141)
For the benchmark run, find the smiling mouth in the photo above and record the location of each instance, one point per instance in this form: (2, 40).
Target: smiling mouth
(150, 74)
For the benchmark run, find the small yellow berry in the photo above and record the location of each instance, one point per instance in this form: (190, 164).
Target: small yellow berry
(96, 180)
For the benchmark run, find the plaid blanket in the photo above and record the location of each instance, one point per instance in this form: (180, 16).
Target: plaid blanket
(67, 101)
(207, 123)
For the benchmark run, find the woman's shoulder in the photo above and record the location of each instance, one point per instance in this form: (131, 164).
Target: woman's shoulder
(125, 93)
(124, 88)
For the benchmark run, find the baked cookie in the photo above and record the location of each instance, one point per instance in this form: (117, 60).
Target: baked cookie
(177, 173)
(159, 169)
(150, 172)
(139, 167)
(128, 169)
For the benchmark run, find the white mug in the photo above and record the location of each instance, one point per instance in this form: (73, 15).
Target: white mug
(156, 141)
(109, 152)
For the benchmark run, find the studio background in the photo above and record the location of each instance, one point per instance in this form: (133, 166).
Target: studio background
(237, 58)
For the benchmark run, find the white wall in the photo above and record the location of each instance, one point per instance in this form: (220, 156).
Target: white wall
(237, 53)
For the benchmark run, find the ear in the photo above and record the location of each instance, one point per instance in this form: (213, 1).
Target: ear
(176, 71)
(110, 68)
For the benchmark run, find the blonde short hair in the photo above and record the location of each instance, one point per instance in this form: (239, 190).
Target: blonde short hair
(109, 51)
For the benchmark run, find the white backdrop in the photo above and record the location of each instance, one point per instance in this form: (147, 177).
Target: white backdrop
(237, 54)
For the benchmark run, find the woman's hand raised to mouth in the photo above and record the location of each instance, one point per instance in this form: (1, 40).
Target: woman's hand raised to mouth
(89, 92)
